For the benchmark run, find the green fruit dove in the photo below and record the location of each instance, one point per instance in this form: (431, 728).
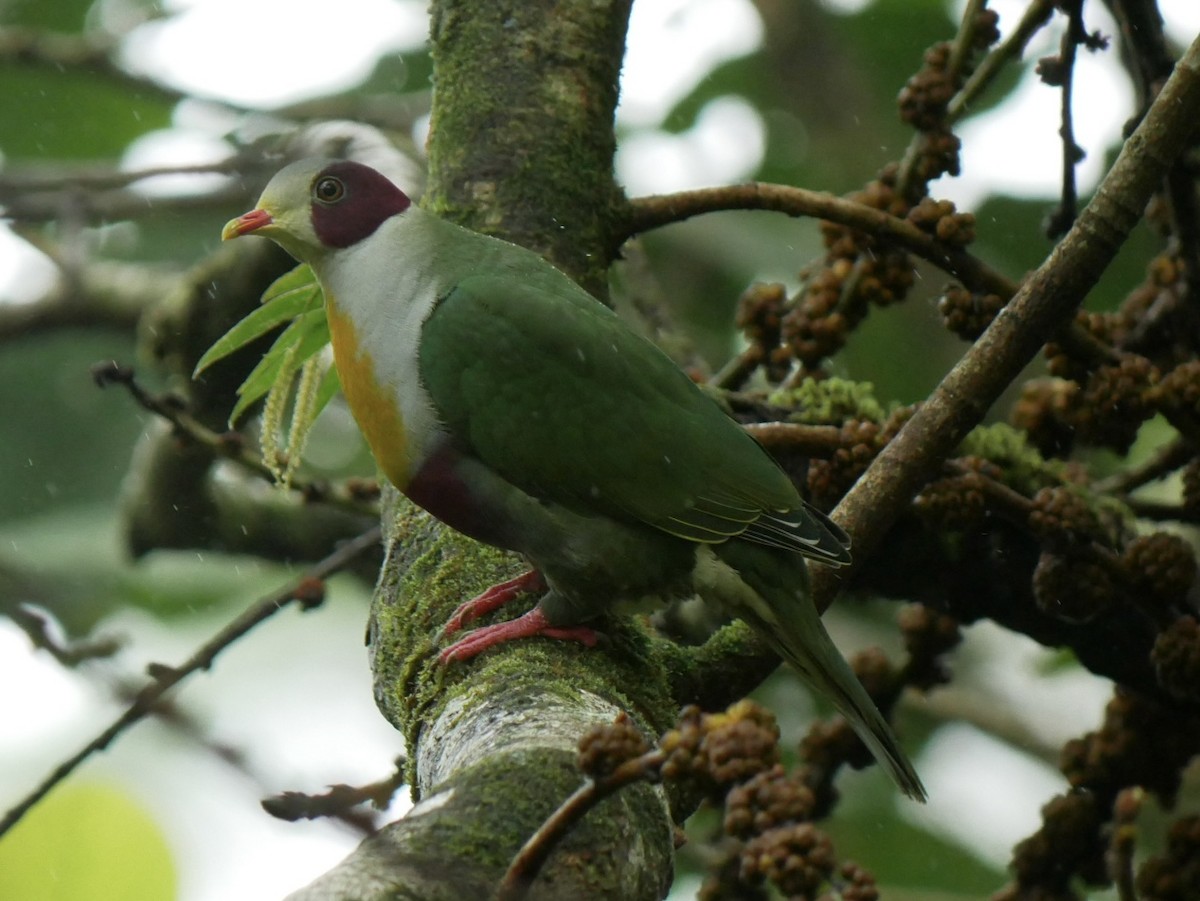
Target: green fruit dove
(513, 406)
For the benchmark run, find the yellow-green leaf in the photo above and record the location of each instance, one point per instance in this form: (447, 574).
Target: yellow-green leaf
(309, 332)
(87, 841)
(289, 296)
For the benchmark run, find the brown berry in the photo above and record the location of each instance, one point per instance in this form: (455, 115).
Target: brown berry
(1176, 659)
(1161, 568)
(605, 746)
(1062, 518)
(1073, 589)
(766, 800)
(798, 859)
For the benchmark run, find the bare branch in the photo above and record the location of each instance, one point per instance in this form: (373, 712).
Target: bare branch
(339, 802)
(308, 591)
(42, 632)
(538, 847)
(646, 213)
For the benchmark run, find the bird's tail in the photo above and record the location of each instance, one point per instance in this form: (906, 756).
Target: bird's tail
(773, 597)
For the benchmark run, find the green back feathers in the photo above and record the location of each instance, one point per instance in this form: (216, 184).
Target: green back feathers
(550, 389)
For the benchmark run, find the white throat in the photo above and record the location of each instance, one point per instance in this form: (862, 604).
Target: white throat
(386, 285)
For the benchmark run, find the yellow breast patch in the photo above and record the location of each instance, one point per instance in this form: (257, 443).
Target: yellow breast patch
(373, 406)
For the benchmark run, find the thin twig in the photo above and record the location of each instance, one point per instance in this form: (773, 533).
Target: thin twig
(88, 206)
(99, 294)
(1142, 33)
(106, 178)
(538, 847)
(171, 408)
(308, 591)
(961, 49)
(37, 193)
(40, 629)
(1162, 464)
(978, 81)
(339, 802)
(737, 369)
(964, 41)
(810, 440)
(1035, 17)
(1047, 300)
(188, 726)
(350, 495)
(1161, 512)
(646, 213)
(1007, 500)
(1060, 71)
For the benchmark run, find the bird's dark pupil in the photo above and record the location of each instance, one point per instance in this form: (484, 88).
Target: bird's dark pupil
(329, 189)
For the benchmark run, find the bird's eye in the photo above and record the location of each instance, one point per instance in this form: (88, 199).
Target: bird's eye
(329, 189)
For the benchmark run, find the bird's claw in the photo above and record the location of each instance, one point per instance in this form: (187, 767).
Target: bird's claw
(529, 625)
(492, 599)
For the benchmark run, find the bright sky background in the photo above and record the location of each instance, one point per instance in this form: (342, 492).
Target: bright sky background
(272, 52)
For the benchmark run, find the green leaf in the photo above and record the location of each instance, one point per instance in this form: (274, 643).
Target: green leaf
(289, 296)
(309, 333)
(300, 280)
(330, 385)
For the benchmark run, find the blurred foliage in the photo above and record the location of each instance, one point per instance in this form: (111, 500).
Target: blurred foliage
(58, 15)
(63, 448)
(83, 843)
(78, 117)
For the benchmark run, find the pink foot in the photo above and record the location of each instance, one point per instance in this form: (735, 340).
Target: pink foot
(532, 623)
(492, 599)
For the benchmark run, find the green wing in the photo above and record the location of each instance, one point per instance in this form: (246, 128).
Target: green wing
(554, 392)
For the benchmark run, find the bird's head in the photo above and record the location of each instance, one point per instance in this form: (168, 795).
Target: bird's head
(314, 206)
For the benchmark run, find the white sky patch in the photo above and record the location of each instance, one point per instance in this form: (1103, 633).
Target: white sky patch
(26, 274)
(673, 44)
(49, 693)
(983, 795)
(1015, 149)
(1181, 19)
(175, 147)
(267, 53)
(725, 145)
(845, 7)
(1012, 672)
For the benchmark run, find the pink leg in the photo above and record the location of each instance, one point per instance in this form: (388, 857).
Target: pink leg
(492, 599)
(532, 623)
